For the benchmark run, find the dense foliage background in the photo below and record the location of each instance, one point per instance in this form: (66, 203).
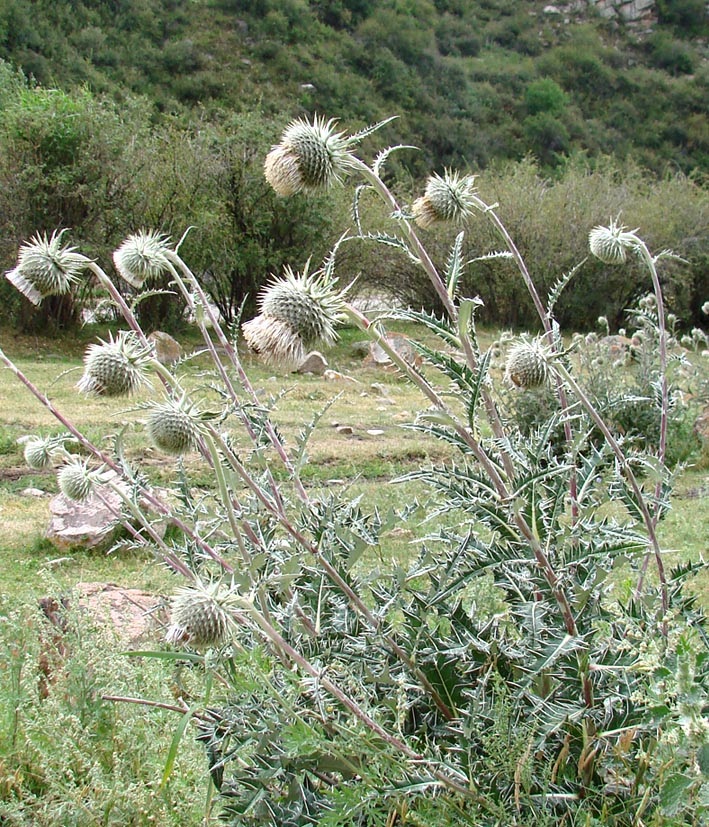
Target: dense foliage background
(120, 114)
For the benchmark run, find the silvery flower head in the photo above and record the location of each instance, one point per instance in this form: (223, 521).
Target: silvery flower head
(705, 308)
(610, 244)
(117, 367)
(297, 311)
(46, 267)
(173, 426)
(450, 198)
(309, 157)
(40, 451)
(142, 257)
(76, 480)
(527, 364)
(201, 616)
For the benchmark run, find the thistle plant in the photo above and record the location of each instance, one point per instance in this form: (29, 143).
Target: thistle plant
(343, 696)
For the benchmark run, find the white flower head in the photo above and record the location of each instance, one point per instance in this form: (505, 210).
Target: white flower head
(46, 267)
(201, 616)
(76, 480)
(527, 364)
(610, 244)
(117, 367)
(450, 198)
(173, 426)
(142, 257)
(297, 311)
(309, 157)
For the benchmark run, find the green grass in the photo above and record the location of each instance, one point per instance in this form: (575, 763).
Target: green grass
(48, 747)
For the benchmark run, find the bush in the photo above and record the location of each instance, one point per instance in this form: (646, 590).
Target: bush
(501, 674)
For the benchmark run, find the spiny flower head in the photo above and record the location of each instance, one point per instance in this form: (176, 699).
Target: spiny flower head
(117, 367)
(201, 616)
(527, 364)
(449, 198)
(309, 157)
(142, 257)
(610, 244)
(76, 480)
(40, 451)
(297, 311)
(172, 426)
(45, 267)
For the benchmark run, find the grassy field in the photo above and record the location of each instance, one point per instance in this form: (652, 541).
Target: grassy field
(48, 750)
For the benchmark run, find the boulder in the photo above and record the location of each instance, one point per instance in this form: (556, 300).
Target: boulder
(401, 344)
(167, 350)
(91, 524)
(314, 363)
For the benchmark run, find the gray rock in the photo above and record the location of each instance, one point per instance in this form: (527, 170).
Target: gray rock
(167, 350)
(314, 363)
(92, 524)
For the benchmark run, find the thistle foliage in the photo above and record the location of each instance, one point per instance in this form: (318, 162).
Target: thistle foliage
(520, 666)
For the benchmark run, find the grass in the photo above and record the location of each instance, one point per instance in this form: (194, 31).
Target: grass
(48, 748)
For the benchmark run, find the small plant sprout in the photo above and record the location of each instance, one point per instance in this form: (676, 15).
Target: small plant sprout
(297, 312)
(611, 244)
(447, 199)
(142, 257)
(118, 367)
(202, 616)
(46, 267)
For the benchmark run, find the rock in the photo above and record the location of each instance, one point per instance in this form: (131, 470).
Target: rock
(375, 431)
(33, 492)
(131, 613)
(167, 350)
(403, 347)
(345, 430)
(360, 348)
(630, 11)
(89, 525)
(314, 363)
(552, 10)
(335, 376)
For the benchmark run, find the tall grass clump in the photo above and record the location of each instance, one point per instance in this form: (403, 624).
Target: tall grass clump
(337, 693)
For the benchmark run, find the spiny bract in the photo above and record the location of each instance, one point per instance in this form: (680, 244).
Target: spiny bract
(310, 157)
(45, 267)
(75, 481)
(142, 257)
(610, 244)
(116, 367)
(298, 311)
(450, 198)
(172, 427)
(200, 616)
(527, 365)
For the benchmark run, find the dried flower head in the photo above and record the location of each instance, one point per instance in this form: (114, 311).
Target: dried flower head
(76, 481)
(527, 364)
(705, 308)
(297, 311)
(449, 199)
(610, 244)
(201, 616)
(45, 267)
(310, 157)
(172, 426)
(142, 257)
(117, 367)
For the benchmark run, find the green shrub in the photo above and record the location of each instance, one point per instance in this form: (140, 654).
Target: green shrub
(500, 674)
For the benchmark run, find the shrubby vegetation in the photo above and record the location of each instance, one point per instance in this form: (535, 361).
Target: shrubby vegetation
(533, 663)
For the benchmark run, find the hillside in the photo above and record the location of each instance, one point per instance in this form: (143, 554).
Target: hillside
(473, 80)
